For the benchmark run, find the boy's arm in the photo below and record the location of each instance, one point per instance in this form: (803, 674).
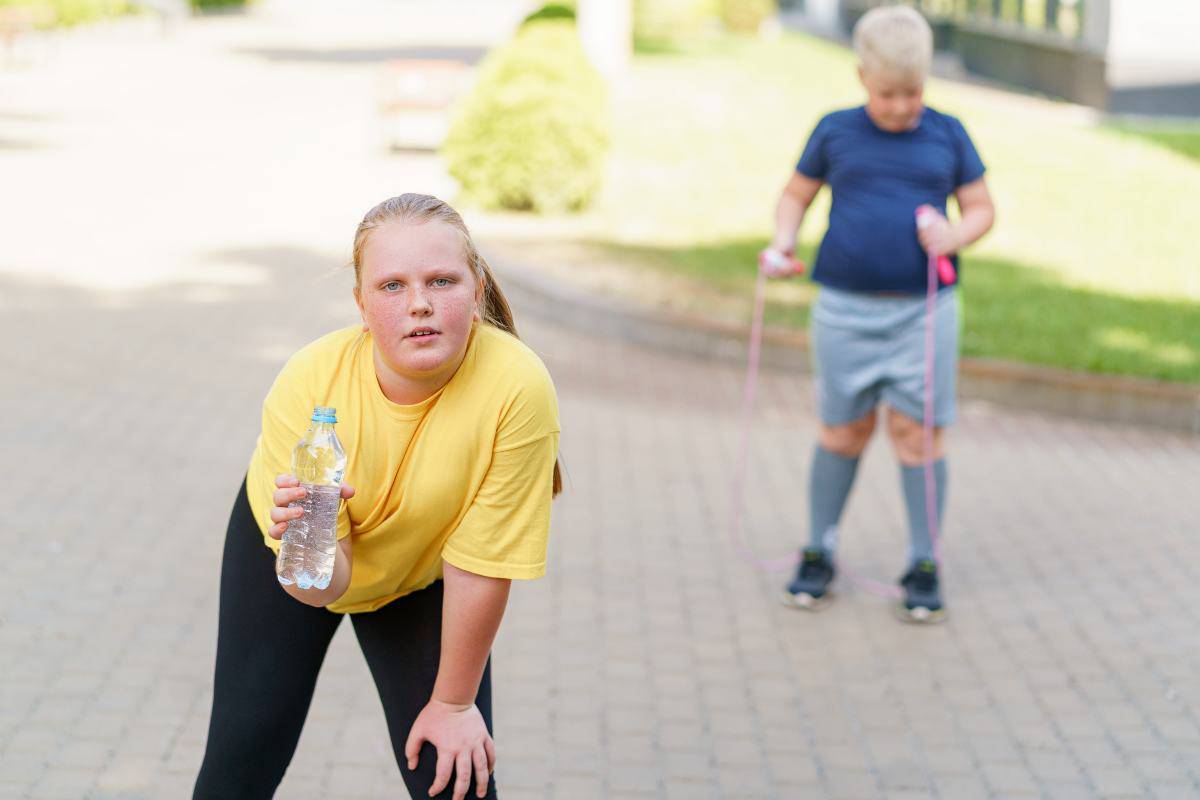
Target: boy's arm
(789, 213)
(976, 213)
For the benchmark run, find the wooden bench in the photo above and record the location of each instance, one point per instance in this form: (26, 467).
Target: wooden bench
(18, 21)
(416, 99)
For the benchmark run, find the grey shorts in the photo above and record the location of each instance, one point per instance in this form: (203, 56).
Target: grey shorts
(870, 349)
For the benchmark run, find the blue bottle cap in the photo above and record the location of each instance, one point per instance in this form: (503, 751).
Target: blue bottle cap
(324, 414)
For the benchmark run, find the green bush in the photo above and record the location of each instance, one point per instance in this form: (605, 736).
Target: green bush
(533, 133)
(746, 16)
(69, 12)
(661, 20)
(212, 5)
(552, 11)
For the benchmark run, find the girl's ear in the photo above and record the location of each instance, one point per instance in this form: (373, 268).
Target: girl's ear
(361, 313)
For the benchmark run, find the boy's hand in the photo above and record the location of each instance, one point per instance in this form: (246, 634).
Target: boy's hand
(776, 263)
(937, 236)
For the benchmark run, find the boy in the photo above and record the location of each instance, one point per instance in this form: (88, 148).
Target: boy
(882, 161)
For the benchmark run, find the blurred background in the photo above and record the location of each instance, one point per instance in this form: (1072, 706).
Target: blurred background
(179, 187)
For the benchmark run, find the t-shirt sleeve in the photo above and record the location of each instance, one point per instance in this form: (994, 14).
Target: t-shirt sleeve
(814, 161)
(968, 165)
(507, 528)
(505, 531)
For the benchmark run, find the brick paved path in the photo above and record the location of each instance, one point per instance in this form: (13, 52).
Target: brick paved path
(650, 662)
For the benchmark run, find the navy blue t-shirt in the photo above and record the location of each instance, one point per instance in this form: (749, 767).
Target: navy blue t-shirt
(878, 180)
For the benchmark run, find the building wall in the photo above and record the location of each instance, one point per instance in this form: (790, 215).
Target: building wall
(1038, 62)
(1153, 57)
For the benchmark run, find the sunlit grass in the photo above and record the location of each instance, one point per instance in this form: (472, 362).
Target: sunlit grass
(1011, 311)
(1179, 137)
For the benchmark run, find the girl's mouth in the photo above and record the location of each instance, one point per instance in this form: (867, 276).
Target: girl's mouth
(423, 334)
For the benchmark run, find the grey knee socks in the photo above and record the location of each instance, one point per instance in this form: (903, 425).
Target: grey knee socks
(912, 480)
(828, 487)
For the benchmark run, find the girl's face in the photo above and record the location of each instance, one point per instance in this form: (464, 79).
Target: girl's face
(418, 297)
(894, 102)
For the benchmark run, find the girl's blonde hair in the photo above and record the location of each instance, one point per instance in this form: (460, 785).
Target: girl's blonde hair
(895, 40)
(417, 209)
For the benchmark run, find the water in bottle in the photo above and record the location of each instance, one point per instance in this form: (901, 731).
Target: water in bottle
(306, 555)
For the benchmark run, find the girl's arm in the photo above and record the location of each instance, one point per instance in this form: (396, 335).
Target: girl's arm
(472, 607)
(797, 196)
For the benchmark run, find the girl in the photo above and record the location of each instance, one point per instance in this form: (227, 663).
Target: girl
(450, 426)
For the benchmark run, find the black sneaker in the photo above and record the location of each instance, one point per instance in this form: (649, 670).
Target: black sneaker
(810, 588)
(922, 599)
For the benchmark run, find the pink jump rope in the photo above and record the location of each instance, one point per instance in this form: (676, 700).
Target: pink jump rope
(774, 264)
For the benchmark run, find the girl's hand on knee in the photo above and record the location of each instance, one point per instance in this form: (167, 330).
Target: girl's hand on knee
(463, 745)
(288, 491)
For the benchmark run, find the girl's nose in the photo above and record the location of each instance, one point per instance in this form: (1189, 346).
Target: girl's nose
(418, 303)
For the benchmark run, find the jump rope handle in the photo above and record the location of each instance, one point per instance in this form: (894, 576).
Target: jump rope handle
(779, 264)
(945, 268)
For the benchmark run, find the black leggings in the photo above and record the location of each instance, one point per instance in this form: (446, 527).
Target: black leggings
(269, 651)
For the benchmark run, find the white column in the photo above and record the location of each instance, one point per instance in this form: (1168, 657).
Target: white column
(1153, 44)
(606, 30)
(823, 15)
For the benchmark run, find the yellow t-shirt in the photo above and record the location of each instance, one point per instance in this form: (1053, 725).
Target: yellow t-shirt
(464, 475)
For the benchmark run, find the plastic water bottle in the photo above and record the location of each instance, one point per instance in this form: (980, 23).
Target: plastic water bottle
(307, 554)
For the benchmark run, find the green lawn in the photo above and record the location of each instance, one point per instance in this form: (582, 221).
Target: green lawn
(1182, 138)
(1092, 264)
(1011, 310)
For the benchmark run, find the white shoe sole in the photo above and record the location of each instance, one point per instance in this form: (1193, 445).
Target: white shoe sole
(920, 615)
(805, 601)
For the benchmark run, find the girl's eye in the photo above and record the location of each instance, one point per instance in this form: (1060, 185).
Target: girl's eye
(440, 282)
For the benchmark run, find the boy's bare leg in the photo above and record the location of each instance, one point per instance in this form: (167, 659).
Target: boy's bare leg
(908, 439)
(849, 440)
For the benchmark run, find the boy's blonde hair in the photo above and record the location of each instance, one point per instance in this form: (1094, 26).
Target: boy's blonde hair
(895, 40)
